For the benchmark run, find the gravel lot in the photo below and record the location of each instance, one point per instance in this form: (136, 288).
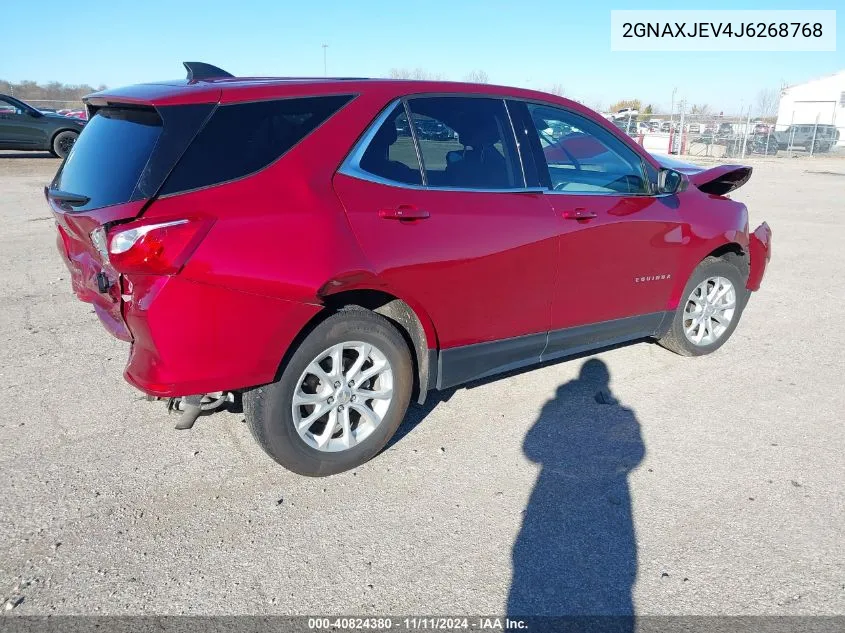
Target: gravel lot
(714, 486)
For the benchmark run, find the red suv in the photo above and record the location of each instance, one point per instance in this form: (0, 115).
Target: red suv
(301, 242)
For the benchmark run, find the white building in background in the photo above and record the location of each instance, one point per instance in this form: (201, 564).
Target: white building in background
(820, 100)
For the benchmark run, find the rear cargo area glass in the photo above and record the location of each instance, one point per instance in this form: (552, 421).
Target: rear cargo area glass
(109, 156)
(242, 138)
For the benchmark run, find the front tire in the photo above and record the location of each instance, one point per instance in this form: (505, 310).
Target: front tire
(710, 308)
(63, 143)
(341, 396)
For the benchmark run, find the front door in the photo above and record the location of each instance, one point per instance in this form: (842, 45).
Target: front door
(619, 244)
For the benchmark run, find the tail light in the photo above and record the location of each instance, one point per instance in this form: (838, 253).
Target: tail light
(155, 248)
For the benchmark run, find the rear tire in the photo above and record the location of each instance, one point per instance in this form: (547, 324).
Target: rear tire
(63, 143)
(315, 450)
(702, 304)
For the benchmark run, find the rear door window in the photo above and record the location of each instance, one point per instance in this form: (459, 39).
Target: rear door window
(390, 153)
(242, 138)
(109, 156)
(466, 143)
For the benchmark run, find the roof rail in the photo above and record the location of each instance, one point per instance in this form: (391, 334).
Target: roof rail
(197, 71)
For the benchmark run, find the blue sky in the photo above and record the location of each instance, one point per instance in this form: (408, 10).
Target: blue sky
(524, 43)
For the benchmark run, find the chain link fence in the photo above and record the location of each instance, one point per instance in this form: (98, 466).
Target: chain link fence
(725, 137)
(683, 134)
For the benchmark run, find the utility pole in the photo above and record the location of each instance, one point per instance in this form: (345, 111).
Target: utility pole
(682, 106)
(745, 134)
(325, 66)
(672, 108)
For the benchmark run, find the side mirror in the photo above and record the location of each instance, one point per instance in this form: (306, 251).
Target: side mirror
(671, 181)
(35, 114)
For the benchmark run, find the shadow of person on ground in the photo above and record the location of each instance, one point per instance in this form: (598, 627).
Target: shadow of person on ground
(576, 553)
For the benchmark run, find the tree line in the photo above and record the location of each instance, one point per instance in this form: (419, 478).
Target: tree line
(58, 94)
(70, 95)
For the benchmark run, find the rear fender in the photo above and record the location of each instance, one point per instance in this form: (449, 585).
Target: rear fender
(365, 280)
(406, 312)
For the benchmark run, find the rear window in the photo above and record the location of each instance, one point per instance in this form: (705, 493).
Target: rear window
(109, 156)
(243, 138)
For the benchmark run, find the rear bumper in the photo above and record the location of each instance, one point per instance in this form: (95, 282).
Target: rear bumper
(191, 338)
(83, 268)
(760, 246)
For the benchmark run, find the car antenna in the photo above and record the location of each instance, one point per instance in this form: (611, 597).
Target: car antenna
(197, 71)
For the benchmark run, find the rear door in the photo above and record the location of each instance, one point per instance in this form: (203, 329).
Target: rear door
(441, 210)
(619, 244)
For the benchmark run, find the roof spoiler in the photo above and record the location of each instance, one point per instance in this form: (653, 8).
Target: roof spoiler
(197, 71)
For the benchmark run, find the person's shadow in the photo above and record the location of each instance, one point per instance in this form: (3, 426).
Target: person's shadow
(576, 553)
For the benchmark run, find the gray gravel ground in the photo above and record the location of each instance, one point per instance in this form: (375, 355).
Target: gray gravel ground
(715, 486)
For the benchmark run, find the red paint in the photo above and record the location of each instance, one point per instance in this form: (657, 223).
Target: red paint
(630, 237)
(260, 254)
(482, 264)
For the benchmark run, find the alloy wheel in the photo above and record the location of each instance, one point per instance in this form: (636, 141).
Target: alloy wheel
(709, 310)
(342, 396)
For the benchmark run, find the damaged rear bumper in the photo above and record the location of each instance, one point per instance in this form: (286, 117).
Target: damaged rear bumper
(195, 338)
(760, 247)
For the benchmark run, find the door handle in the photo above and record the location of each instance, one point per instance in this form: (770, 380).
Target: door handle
(579, 214)
(404, 212)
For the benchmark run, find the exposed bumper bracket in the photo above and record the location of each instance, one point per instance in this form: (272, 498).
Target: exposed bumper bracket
(191, 407)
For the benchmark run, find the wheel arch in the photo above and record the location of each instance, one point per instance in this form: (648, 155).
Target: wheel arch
(413, 324)
(728, 251)
(59, 131)
(731, 251)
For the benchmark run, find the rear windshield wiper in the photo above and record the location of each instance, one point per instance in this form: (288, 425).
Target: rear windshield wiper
(66, 198)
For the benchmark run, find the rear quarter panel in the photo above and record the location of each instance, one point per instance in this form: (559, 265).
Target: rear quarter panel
(281, 232)
(280, 237)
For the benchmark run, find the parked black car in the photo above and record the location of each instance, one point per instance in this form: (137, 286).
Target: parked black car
(23, 127)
